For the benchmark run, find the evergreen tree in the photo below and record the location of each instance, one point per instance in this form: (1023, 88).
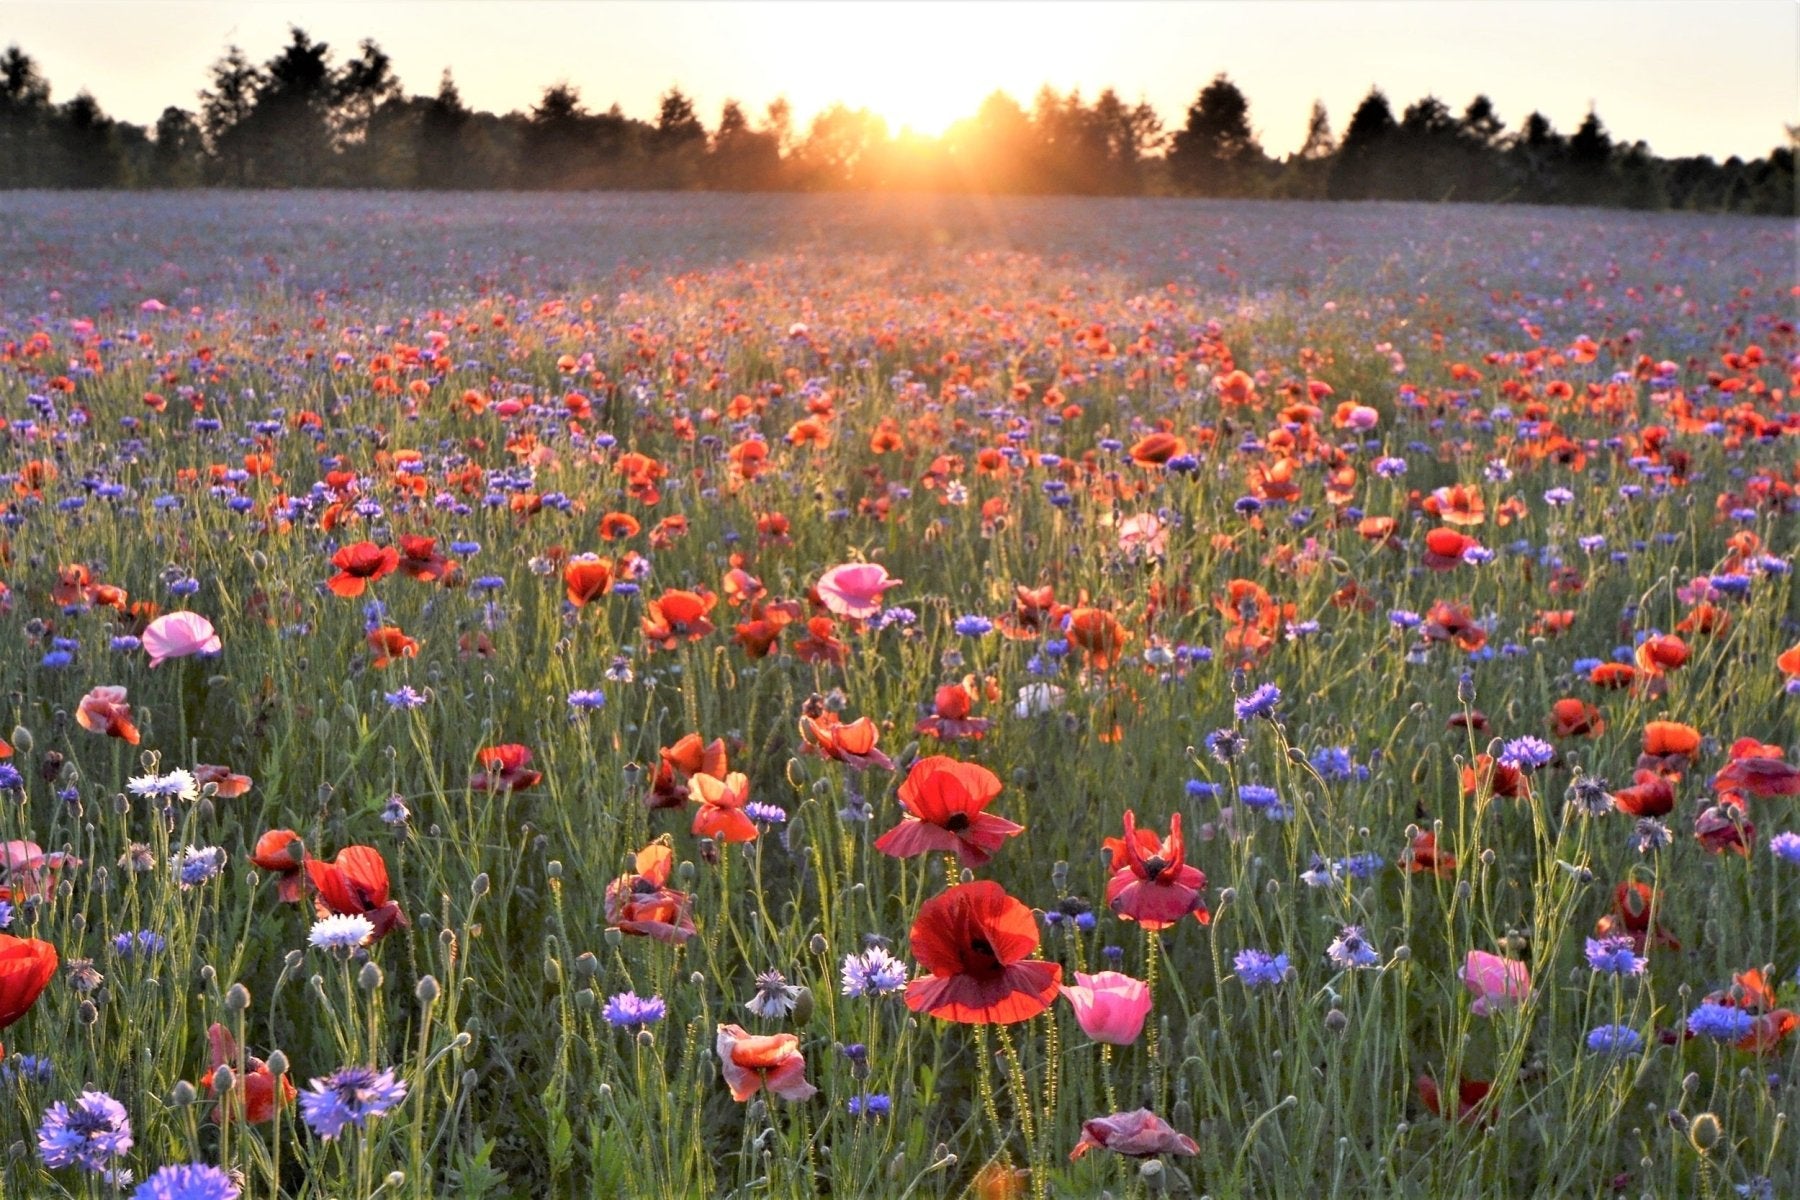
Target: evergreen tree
(1215, 153)
(1365, 155)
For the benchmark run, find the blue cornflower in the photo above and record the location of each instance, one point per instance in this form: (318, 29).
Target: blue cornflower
(1557, 497)
(628, 1010)
(1614, 956)
(766, 814)
(1334, 762)
(1226, 745)
(1259, 798)
(1259, 968)
(89, 1134)
(1390, 468)
(973, 625)
(6, 914)
(1615, 1041)
(874, 972)
(1720, 1022)
(1786, 846)
(27, 1068)
(126, 643)
(869, 1105)
(407, 697)
(10, 779)
(1528, 753)
(586, 700)
(197, 865)
(349, 1097)
(488, 583)
(1199, 789)
(466, 549)
(1359, 866)
(1259, 703)
(187, 1181)
(144, 941)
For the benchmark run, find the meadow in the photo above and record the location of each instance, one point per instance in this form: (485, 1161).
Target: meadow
(783, 696)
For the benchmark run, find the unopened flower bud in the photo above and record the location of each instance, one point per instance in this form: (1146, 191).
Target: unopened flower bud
(426, 990)
(369, 978)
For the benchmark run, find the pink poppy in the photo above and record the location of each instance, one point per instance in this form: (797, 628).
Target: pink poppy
(1110, 1007)
(26, 872)
(1144, 534)
(1495, 982)
(854, 589)
(104, 710)
(750, 1062)
(178, 635)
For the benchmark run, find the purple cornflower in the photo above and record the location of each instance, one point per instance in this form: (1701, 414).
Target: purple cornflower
(1528, 753)
(1259, 703)
(1350, 950)
(197, 865)
(585, 700)
(765, 814)
(1720, 1022)
(349, 1097)
(1786, 846)
(628, 1010)
(89, 1134)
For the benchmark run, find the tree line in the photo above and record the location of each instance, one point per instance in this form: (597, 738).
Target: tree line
(302, 119)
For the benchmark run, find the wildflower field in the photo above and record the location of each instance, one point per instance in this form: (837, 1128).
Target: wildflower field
(782, 696)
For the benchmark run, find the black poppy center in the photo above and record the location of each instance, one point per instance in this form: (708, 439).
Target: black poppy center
(1154, 866)
(957, 823)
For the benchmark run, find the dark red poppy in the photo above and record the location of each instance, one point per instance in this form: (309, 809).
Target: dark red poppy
(360, 564)
(281, 853)
(944, 800)
(26, 967)
(977, 941)
(1422, 856)
(1650, 795)
(1470, 1095)
(1152, 884)
(1496, 778)
(1758, 770)
(1630, 917)
(1725, 826)
(355, 883)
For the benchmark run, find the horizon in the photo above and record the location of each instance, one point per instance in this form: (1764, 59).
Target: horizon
(157, 55)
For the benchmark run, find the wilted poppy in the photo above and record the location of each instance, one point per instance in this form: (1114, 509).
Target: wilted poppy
(359, 565)
(104, 710)
(355, 883)
(976, 941)
(944, 801)
(1757, 770)
(643, 904)
(751, 1062)
(390, 643)
(26, 966)
(1139, 1134)
(1152, 883)
(1650, 795)
(1575, 718)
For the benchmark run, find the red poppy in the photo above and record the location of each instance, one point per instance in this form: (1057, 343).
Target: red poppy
(105, 710)
(26, 967)
(1446, 622)
(1758, 770)
(281, 853)
(1669, 747)
(821, 644)
(676, 615)
(852, 744)
(1725, 827)
(587, 579)
(1444, 549)
(688, 757)
(504, 768)
(256, 1091)
(751, 1062)
(944, 800)
(1657, 655)
(1613, 675)
(420, 560)
(643, 904)
(617, 526)
(721, 813)
(355, 883)
(1139, 1134)
(1156, 449)
(1650, 795)
(359, 565)
(1097, 632)
(1575, 718)
(1496, 778)
(1470, 1095)
(1422, 855)
(1152, 884)
(390, 643)
(976, 941)
(1630, 917)
(950, 720)
(1456, 505)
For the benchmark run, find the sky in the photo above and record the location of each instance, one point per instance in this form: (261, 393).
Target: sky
(1717, 77)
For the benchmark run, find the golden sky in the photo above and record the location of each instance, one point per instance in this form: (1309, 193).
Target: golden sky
(1687, 76)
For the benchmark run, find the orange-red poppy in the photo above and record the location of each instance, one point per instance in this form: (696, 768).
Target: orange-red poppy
(355, 883)
(677, 615)
(281, 853)
(587, 579)
(721, 812)
(1650, 795)
(1098, 633)
(977, 942)
(945, 802)
(26, 967)
(642, 903)
(390, 643)
(256, 1094)
(852, 744)
(360, 564)
(1575, 718)
(504, 768)
(419, 559)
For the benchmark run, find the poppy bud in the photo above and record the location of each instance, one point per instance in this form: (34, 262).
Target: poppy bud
(277, 1062)
(1336, 1021)
(395, 1179)
(614, 937)
(586, 965)
(369, 978)
(88, 1013)
(803, 1006)
(479, 887)
(819, 945)
(223, 1080)
(586, 1000)
(207, 973)
(553, 868)
(1678, 1121)
(237, 998)
(552, 971)
(183, 1093)
(470, 1079)
(426, 990)
(22, 740)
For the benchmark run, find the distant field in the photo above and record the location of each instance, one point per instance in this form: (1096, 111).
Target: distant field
(526, 695)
